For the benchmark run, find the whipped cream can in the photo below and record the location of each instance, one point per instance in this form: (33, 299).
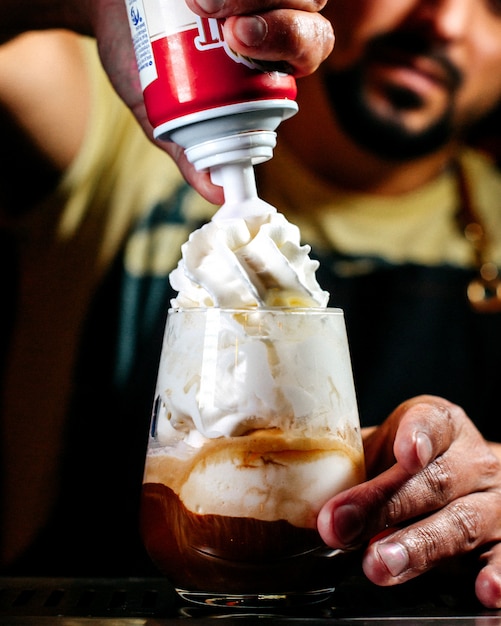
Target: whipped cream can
(195, 87)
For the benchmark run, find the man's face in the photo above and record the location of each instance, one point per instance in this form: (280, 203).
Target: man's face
(407, 75)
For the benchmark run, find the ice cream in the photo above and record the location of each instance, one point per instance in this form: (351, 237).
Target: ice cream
(266, 475)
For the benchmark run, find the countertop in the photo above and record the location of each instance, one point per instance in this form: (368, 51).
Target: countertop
(440, 598)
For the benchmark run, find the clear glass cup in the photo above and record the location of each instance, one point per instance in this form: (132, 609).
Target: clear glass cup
(254, 427)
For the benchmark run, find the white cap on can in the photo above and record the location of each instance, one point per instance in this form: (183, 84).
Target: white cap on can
(251, 147)
(242, 132)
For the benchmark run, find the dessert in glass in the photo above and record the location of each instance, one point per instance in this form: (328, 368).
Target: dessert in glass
(255, 423)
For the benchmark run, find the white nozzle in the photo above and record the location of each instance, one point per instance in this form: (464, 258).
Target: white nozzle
(230, 160)
(240, 192)
(237, 180)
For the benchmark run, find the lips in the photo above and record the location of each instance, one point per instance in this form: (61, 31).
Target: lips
(416, 55)
(430, 68)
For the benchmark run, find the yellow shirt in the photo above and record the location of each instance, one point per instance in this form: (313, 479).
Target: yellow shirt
(416, 227)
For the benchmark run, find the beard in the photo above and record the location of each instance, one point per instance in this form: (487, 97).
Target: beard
(387, 136)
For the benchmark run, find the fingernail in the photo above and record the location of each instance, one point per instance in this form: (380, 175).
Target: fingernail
(251, 30)
(394, 556)
(348, 523)
(211, 6)
(424, 448)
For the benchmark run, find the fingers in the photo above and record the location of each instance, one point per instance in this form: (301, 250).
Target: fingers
(440, 496)
(201, 181)
(358, 514)
(417, 431)
(458, 528)
(488, 583)
(301, 41)
(428, 438)
(390, 500)
(439, 444)
(428, 427)
(224, 8)
(291, 32)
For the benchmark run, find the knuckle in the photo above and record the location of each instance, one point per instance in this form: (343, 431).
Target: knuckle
(490, 469)
(439, 480)
(434, 486)
(318, 5)
(467, 521)
(431, 543)
(433, 408)
(455, 531)
(395, 508)
(318, 34)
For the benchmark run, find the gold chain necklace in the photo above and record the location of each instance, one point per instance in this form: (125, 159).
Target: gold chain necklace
(484, 290)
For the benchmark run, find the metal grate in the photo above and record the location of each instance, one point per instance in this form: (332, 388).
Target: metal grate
(86, 598)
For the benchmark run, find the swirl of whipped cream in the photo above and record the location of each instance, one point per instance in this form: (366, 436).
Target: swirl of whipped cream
(244, 262)
(224, 373)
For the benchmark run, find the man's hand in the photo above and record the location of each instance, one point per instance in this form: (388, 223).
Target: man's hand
(434, 491)
(288, 31)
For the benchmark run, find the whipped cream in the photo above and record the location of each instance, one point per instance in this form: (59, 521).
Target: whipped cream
(250, 261)
(225, 373)
(235, 372)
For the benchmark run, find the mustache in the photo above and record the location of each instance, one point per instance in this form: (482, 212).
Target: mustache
(400, 44)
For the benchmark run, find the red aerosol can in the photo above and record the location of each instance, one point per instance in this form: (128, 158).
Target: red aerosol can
(220, 106)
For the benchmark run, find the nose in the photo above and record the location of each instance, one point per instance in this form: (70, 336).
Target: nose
(447, 20)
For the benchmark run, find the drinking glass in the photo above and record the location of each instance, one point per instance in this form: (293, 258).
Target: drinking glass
(254, 427)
